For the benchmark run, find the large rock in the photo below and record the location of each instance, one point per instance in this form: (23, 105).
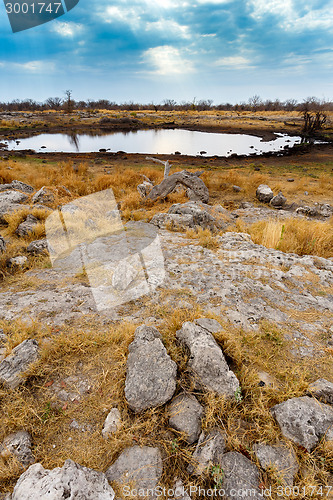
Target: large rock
(38, 246)
(43, 196)
(11, 196)
(19, 445)
(209, 450)
(201, 217)
(240, 477)
(139, 467)
(279, 200)
(264, 193)
(21, 186)
(2, 245)
(174, 222)
(304, 420)
(322, 389)
(7, 209)
(206, 361)
(185, 413)
(12, 368)
(282, 458)
(72, 481)
(27, 227)
(151, 373)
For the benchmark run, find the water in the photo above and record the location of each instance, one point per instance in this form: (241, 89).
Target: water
(156, 142)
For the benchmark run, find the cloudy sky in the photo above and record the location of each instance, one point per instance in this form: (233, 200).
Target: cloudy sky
(151, 50)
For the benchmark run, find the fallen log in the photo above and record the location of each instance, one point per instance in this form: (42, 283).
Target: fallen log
(187, 179)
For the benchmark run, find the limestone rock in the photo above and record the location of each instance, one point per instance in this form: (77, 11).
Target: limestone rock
(322, 389)
(72, 481)
(43, 196)
(11, 196)
(240, 477)
(12, 368)
(211, 325)
(19, 445)
(209, 450)
(2, 245)
(174, 222)
(201, 217)
(180, 492)
(112, 423)
(279, 200)
(264, 193)
(207, 363)
(281, 457)
(185, 416)
(3, 341)
(304, 420)
(21, 186)
(141, 467)
(38, 246)
(151, 373)
(8, 209)
(18, 261)
(144, 188)
(27, 227)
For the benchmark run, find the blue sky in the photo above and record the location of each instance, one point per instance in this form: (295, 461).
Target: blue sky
(148, 51)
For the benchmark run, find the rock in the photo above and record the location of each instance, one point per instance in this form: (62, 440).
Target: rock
(9, 197)
(325, 210)
(38, 246)
(185, 416)
(144, 188)
(151, 373)
(123, 276)
(8, 209)
(16, 262)
(303, 420)
(206, 362)
(21, 186)
(19, 445)
(282, 458)
(290, 179)
(211, 325)
(264, 193)
(209, 450)
(2, 245)
(12, 368)
(3, 341)
(310, 211)
(240, 477)
(173, 222)
(27, 227)
(201, 217)
(72, 481)
(43, 196)
(112, 423)
(139, 467)
(322, 389)
(237, 189)
(279, 200)
(179, 490)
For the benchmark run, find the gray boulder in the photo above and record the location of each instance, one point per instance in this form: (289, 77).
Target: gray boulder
(303, 420)
(27, 227)
(11, 196)
(72, 481)
(207, 364)
(7, 209)
(21, 186)
(38, 246)
(174, 222)
(264, 193)
(44, 196)
(282, 458)
(209, 450)
(279, 200)
(211, 325)
(196, 209)
(19, 445)
(240, 476)
(2, 245)
(185, 416)
(12, 368)
(151, 373)
(141, 467)
(322, 389)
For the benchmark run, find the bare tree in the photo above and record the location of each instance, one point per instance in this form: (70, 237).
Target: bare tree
(69, 102)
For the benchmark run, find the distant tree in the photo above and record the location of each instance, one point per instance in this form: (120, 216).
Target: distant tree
(255, 102)
(53, 102)
(314, 115)
(69, 102)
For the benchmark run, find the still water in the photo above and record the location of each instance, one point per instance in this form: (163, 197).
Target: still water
(156, 142)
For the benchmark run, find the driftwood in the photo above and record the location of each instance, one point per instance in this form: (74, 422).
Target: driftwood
(187, 179)
(166, 164)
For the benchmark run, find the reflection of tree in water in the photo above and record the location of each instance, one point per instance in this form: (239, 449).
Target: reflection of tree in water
(74, 140)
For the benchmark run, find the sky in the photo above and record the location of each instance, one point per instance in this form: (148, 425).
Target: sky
(148, 51)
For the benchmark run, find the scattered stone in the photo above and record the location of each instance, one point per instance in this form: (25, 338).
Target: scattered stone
(237, 189)
(38, 247)
(19, 445)
(240, 477)
(322, 389)
(303, 420)
(173, 222)
(12, 368)
(8, 209)
(325, 210)
(282, 458)
(27, 227)
(141, 467)
(112, 423)
(201, 217)
(144, 188)
(21, 186)
(207, 363)
(71, 481)
(290, 179)
(17, 262)
(209, 450)
(185, 416)
(10, 197)
(2, 245)
(151, 373)
(279, 200)
(264, 193)
(44, 196)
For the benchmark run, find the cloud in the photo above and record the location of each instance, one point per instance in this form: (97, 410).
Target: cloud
(30, 66)
(169, 28)
(234, 62)
(167, 60)
(66, 29)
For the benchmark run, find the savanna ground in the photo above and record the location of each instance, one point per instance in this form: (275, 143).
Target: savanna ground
(98, 350)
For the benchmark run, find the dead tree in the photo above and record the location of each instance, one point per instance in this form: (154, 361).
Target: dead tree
(166, 164)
